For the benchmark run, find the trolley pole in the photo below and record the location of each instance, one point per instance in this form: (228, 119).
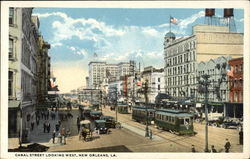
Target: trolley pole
(206, 83)
(146, 102)
(116, 107)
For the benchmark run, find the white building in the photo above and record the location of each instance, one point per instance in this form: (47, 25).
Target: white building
(98, 71)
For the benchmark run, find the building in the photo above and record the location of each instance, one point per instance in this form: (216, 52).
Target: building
(218, 90)
(182, 56)
(43, 66)
(217, 70)
(156, 82)
(100, 70)
(235, 88)
(24, 81)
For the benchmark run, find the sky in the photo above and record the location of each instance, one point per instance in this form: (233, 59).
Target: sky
(114, 35)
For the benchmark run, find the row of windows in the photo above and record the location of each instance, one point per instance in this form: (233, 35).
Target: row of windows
(179, 59)
(187, 68)
(165, 118)
(181, 48)
(180, 80)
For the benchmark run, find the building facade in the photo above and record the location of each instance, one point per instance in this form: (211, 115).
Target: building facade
(236, 87)
(156, 82)
(98, 71)
(43, 67)
(23, 90)
(182, 56)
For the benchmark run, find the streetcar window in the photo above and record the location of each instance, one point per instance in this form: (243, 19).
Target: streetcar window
(182, 121)
(187, 120)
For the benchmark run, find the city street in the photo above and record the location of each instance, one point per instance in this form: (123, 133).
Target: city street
(131, 138)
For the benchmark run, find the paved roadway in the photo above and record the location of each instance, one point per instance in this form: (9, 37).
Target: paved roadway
(216, 136)
(131, 138)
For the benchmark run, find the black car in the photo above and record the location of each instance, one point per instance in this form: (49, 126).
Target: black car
(101, 126)
(230, 124)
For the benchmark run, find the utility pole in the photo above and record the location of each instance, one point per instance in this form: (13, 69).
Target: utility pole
(206, 83)
(146, 102)
(116, 107)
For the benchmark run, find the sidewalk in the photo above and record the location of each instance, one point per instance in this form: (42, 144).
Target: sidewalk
(38, 135)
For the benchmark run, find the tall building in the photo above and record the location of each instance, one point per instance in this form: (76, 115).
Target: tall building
(43, 66)
(24, 68)
(182, 56)
(98, 71)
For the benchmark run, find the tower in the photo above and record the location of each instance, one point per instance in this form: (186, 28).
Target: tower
(229, 19)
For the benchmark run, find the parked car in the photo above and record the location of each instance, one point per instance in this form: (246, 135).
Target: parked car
(231, 125)
(110, 121)
(101, 126)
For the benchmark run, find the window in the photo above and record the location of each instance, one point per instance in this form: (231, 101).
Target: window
(159, 87)
(11, 15)
(181, 121)
(10, 83)
(11, 48)
(159, 79)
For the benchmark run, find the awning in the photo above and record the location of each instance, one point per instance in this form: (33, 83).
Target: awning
(14, 103)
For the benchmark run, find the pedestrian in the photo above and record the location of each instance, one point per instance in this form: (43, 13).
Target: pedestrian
(63, 135)
(241, 136)
(227, 146)
(78, 124)
(150, 134)
(213, 150)
(53, 136)
(44, 126)
(193, 149)
(59, 137)
(32, 125)
(48, 127)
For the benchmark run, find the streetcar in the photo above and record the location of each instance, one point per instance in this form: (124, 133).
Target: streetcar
(143, 114)
(122, 108)
(175, 121)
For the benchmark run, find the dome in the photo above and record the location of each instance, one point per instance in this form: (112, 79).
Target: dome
(170, 35)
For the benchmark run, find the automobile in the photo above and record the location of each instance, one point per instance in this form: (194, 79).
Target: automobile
(230, 125)
(101, 126)
(110, 121)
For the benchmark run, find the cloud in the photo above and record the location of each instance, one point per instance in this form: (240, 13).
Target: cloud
(185, 22)
(113, 44)
(77, 50)
(56, 44)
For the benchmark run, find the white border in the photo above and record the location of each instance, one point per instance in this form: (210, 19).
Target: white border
(127, 4)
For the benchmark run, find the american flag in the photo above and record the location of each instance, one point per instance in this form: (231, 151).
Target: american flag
(173, 20)
(230, 71)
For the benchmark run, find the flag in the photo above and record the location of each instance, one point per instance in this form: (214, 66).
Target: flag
(139, 82)
(95, 55)
(173, 20)
(230, 71)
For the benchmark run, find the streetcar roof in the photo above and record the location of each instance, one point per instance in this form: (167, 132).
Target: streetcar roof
(142, 108)
(172, 114)
(171, 110)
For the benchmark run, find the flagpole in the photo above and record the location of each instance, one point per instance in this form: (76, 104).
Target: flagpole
(170, 22)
